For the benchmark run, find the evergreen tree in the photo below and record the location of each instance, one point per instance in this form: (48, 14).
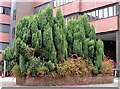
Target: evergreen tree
(50, 53)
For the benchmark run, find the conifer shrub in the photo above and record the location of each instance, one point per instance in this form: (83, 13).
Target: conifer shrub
(44, 43)
(22, 65)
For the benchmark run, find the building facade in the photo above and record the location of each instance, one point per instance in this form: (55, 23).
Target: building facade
(5, 9)
(104, 15)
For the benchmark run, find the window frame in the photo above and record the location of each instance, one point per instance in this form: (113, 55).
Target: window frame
(5, 10)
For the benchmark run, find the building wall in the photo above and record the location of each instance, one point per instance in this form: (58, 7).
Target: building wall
(40, 2)
(92, 5)
(19, 10)
(6, 3)
(4, 25)
(106, 25)
(24, 9)
(69, 8)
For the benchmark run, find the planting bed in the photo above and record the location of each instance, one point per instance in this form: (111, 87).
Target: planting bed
(64, 80)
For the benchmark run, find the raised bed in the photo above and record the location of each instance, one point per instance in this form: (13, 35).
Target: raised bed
(64, 80)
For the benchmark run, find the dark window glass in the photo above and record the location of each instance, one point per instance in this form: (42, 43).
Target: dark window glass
(5, 10)
(14, 15)
(13, 33)
(3, 45)
(4, 28)
(41, 7)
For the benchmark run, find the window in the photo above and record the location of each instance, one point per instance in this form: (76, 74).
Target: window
(93, 15)
(110, 11)
(14, 15)
(37, 9)
(1, 10)
(89, 16)
(55, 3)
(66, 21)
(105, 12)
(13, 33)
(3, 45)
(61, 2)
(4, 28)
(66, 1)
(100, 13)
(5, 10)
(115, 10)
(97, 14)
(70, 0)
(58, 3)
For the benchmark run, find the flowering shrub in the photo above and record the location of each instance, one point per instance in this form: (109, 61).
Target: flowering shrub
(75, 67)
(107, 67)
(43, 70)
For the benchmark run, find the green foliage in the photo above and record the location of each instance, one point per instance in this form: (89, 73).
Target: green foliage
(50, 65)
(42, 20)
(60, 19)
(48, 44)
(43, 42)
(43, 70)
(22, 65)
(95, 71)
(85, 47)
(77, 47)
(20, 46)
(37, 40)
(59, 37)
(70, 35)
(92, 34)
(16, 71)
(1, 66)
(86, 25)
(49, 15)
(91, 49)
(33, 66)
(33, 24)
(99, 53)
(26, 35)
(8, 54)
(24, 22)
